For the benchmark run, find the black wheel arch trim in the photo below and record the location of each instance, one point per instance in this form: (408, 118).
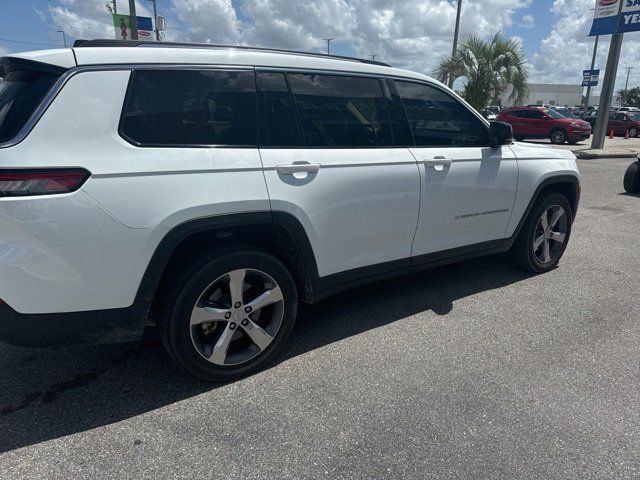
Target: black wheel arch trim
(167, 246)
(555, 180)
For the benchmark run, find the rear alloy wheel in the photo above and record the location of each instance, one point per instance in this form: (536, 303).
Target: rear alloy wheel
(633, 132)
(558, 137)
(230, 315)
(544, 235)
(632, 179)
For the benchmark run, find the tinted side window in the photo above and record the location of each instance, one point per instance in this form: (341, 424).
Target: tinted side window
(191, 107)
(278, 126)
(438, 119)
(23, 86)
(535, 114)
(517, 114)
(340, 111)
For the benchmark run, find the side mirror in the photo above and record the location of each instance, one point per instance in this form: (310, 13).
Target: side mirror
(500, 133)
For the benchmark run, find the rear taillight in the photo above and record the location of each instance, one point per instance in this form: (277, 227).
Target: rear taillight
(20, 183)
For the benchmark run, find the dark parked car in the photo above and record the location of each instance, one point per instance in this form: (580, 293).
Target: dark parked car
(528, 122)
(590, 116)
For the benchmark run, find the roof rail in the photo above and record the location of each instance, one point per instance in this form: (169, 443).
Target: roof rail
(146, 43)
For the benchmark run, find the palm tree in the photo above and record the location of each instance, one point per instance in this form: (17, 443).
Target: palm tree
(490, 67)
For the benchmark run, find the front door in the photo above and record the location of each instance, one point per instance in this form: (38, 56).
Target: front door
(468, 188)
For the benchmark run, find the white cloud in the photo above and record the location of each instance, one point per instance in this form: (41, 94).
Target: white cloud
(567, 50)
(411, 34)
(528, 21)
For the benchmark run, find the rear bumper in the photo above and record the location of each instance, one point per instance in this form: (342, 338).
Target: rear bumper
(74, 328)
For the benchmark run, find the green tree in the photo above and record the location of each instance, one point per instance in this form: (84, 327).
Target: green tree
(490, 68)
(631, 97)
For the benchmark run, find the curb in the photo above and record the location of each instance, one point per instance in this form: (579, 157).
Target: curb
(593, 156)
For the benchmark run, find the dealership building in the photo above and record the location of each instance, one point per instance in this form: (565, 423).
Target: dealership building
(550, 94)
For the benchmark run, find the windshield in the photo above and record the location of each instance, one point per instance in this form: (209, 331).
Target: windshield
(23, 85)
(553, 113)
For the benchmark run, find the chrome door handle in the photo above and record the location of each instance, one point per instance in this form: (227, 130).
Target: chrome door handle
(438, 162)
(298, 167)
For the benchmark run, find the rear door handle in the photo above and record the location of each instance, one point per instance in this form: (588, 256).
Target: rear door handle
(438, 162)
(298, 167)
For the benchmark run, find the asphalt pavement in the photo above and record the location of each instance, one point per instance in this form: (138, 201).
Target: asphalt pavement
(473, 371)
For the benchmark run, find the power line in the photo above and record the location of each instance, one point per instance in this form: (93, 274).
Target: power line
(30, 43)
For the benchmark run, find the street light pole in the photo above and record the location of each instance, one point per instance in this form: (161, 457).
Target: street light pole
(328, 45)
(626, 86)
(455, 39)
(133, 20)
(593, 64)
(64, 38)
(155, 21)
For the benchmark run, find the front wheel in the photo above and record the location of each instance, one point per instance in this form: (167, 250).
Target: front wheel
(229, 314)
(633, 132)
(545, 234)
(558, 137)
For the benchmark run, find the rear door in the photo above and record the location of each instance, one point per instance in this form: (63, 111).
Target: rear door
(468, 188)
(538, 123)
(327, 146)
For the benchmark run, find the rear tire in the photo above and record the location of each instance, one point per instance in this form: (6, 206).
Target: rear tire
(632, 179)
(519, 138)
(633, 132)
(558, 136)
(230, 314)
(539, 249)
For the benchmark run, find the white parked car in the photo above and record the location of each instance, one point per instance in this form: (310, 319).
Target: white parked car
(205, 191)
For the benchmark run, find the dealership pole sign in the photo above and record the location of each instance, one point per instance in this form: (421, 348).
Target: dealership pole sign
(590, 78)
(610, 19)
(122, 24)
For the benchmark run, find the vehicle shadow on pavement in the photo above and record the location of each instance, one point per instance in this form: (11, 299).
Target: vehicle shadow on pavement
(49, 393)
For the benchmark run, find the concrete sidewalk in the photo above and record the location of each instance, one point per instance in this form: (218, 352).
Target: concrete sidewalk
(618, 147)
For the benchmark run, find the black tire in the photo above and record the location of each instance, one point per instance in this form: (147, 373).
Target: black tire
(519, 138)
(558, 136)
(572, 142)
(633, 132)
(632, 179)
(175, 328)
(523, 251)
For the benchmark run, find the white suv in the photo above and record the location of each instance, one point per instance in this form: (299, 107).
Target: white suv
(205, 190)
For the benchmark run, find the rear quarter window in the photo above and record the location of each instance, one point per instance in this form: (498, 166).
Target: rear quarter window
(190, 108)
(23, 86)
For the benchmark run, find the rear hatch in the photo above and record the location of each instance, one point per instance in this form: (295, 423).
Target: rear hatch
(23, 86)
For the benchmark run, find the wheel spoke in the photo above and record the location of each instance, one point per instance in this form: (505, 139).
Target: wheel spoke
(537, 242)
(202, 315)
(236, 285)
(544, 221)
(219, 354)
(266, 298)
(258, 335)
(557, 237)
(546, 252)
(557, 215)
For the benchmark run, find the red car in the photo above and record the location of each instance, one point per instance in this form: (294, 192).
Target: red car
(532, 122)
(623, 122)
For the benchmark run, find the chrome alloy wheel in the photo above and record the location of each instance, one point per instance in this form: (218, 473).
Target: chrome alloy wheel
(237, 317)
(550, 234)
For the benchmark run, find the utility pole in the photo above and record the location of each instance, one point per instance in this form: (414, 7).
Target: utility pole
(626, 86)
(455, 39)
(328, 45)
(155, 21)
(593, 64)
(602, 119)
(132, 19)
(64, 38)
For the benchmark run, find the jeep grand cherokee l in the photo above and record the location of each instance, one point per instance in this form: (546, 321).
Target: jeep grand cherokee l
(204, 191)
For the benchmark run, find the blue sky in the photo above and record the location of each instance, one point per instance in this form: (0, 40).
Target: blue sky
(411, 34)
(25, 25)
